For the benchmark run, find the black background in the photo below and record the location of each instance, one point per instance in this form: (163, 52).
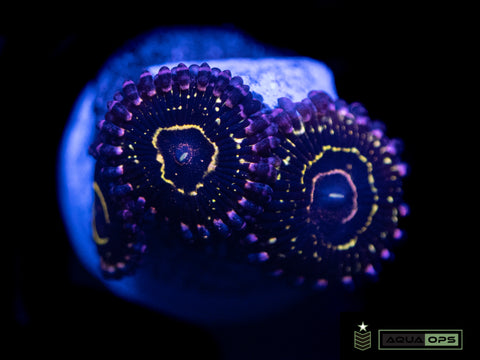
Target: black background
(394, 60)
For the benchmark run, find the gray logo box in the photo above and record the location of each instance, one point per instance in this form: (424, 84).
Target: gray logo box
(420, 339)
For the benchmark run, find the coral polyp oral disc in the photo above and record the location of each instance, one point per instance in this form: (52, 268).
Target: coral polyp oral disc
(333, 198)
(191, 142)
(186, 156)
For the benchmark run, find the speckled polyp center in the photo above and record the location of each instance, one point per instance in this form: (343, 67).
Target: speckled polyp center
(186, 156)
(333, 198)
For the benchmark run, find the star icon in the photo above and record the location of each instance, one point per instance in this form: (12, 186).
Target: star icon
(363, 327)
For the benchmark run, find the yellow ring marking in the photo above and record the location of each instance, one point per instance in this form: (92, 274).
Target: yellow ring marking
(96, 237)
(211, 167)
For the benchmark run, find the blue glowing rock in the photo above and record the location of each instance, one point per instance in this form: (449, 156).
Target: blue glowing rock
(209, 178)
(179, 280)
